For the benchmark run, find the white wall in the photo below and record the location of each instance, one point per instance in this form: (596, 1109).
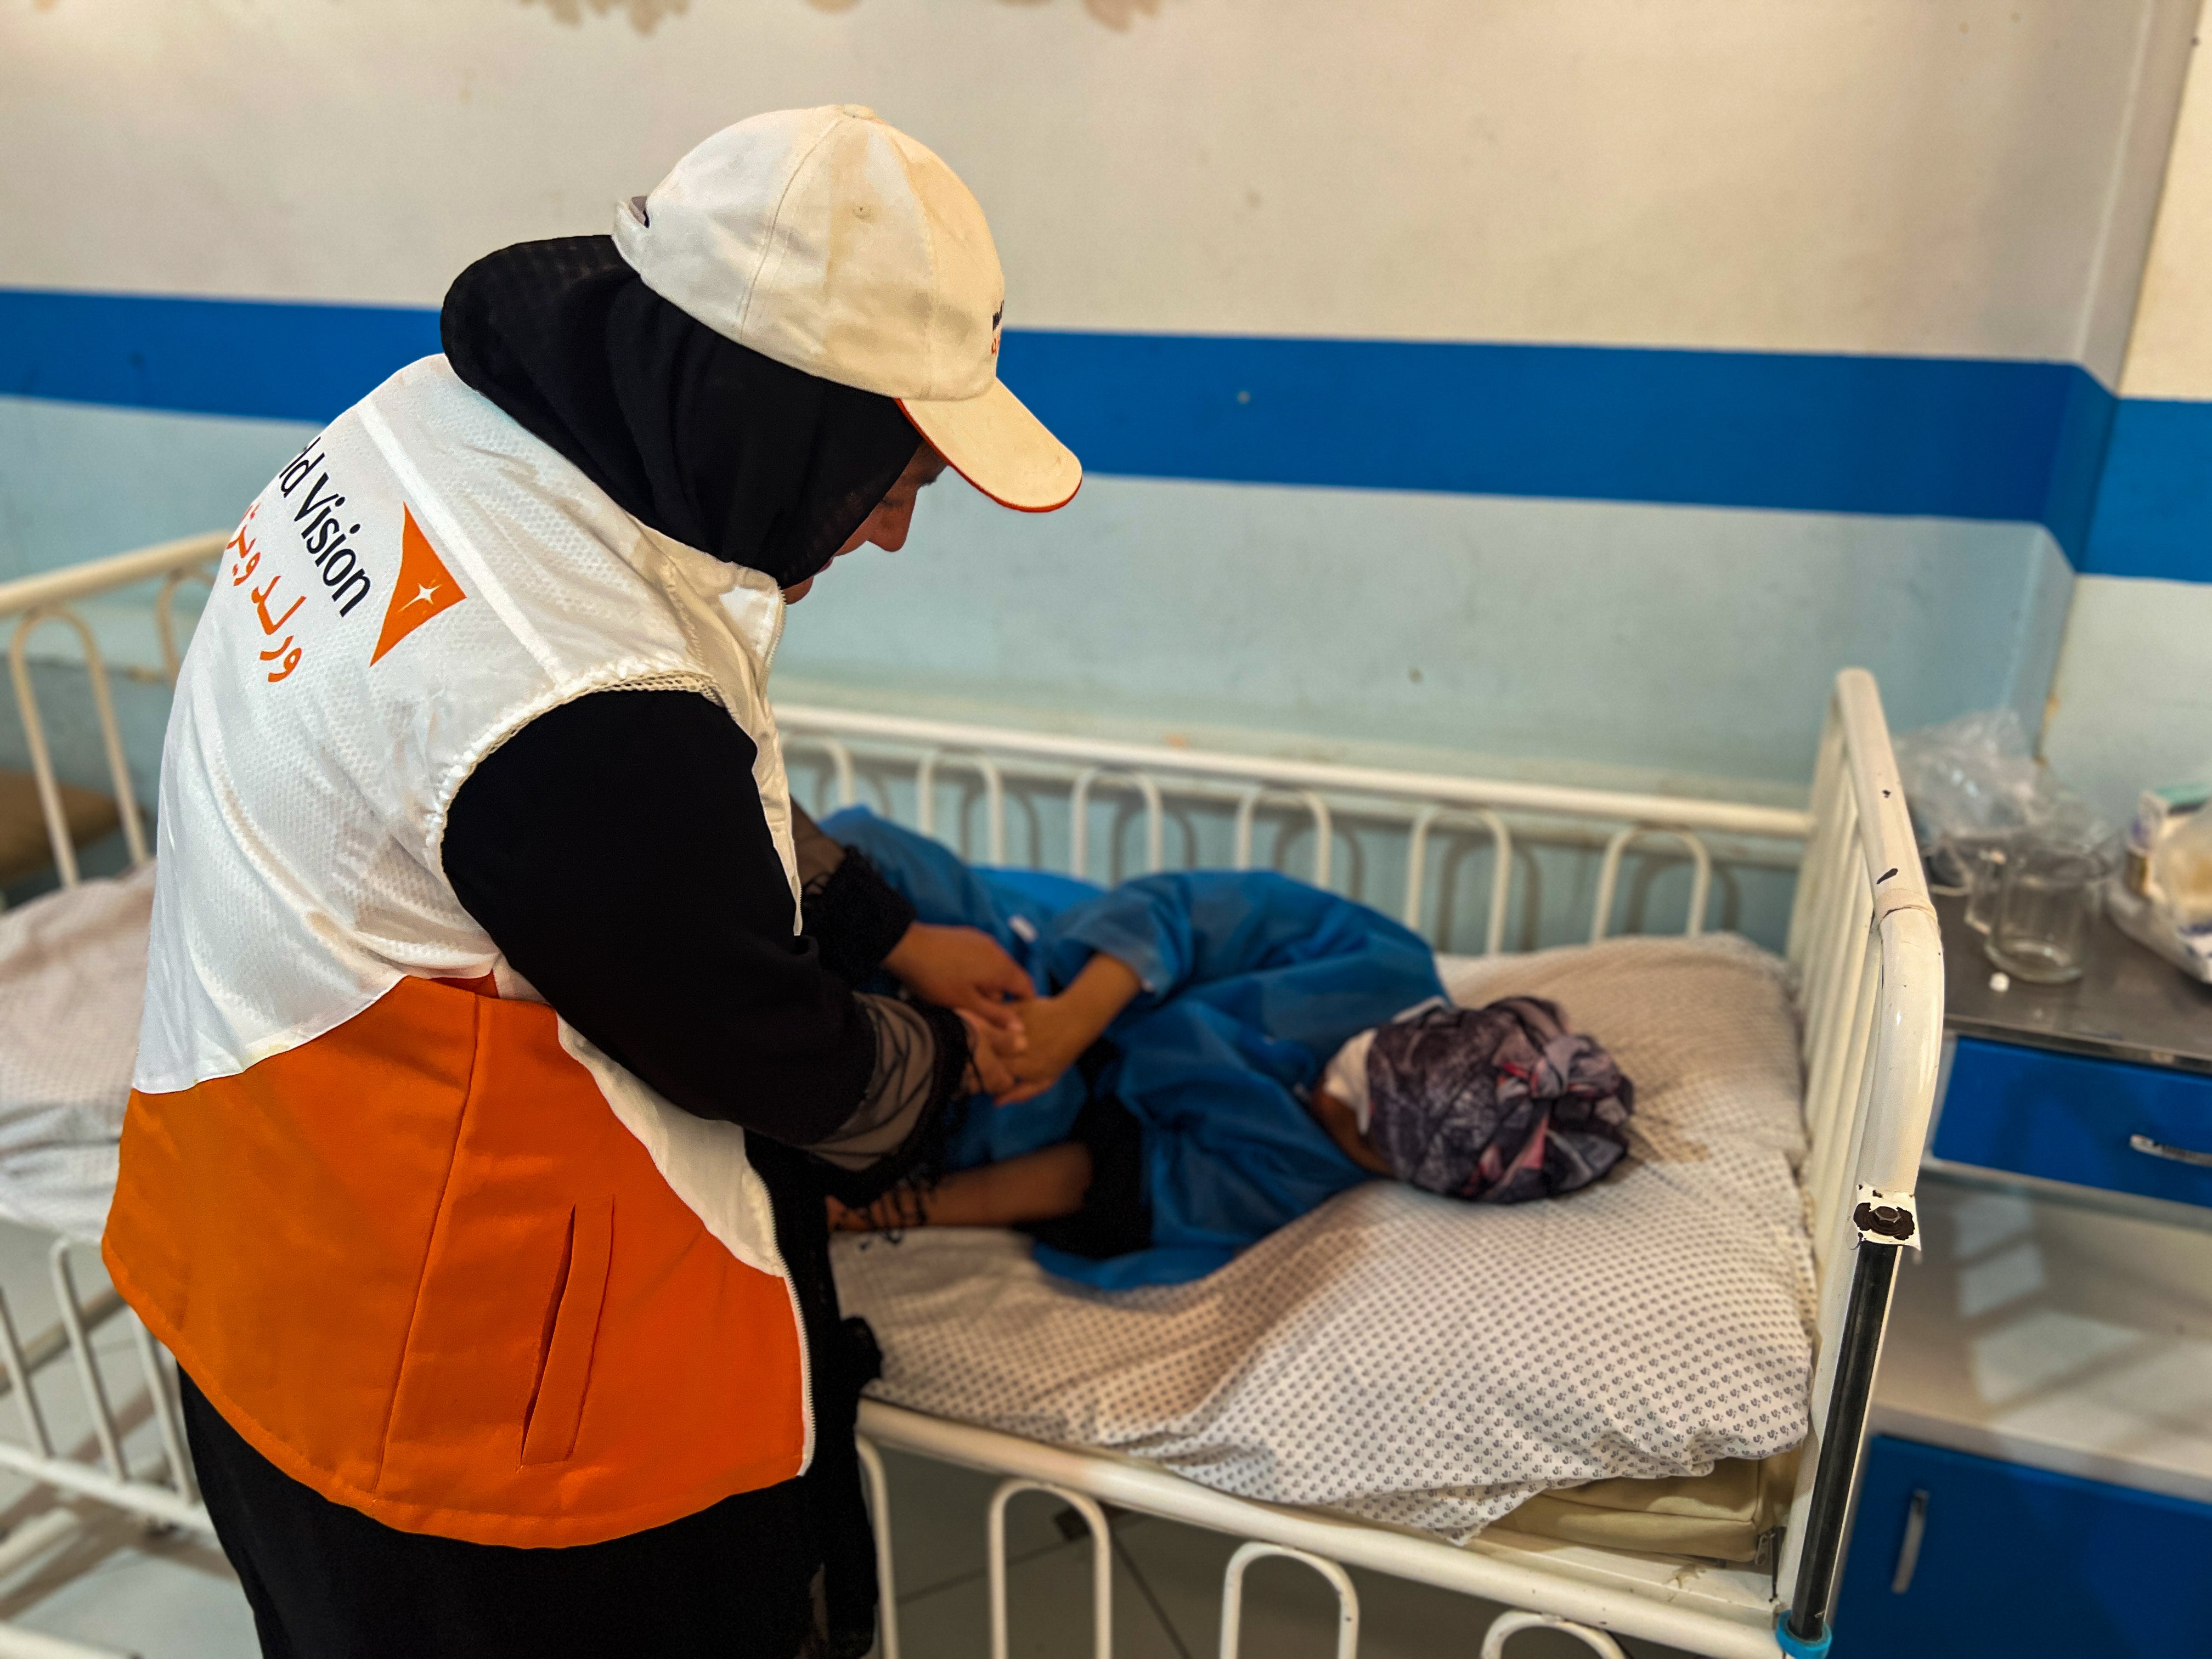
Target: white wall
(2170, 352)
(1971, 178)
(1937, 176)
(2131, 706)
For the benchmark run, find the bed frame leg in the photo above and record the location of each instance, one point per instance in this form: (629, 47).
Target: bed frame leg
(879, 1521)
(1102, 1562)
(1232, 1595)
(1511, 1623)
(1802, 1628)
(87, 1365)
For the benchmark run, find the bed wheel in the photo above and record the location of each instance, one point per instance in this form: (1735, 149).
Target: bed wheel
(1511, 1623)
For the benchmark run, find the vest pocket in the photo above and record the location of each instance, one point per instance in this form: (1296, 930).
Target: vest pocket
(548, 1433)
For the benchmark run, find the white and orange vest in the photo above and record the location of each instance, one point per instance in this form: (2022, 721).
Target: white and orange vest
(427, 1250)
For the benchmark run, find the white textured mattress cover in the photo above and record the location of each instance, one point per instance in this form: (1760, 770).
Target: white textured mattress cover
(72, 982)
(1421, 1362)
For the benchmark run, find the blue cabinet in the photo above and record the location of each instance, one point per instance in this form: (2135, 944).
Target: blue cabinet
(2065, 1117)
(1956, 1557)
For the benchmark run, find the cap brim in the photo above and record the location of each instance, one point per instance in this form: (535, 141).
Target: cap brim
(996, 445)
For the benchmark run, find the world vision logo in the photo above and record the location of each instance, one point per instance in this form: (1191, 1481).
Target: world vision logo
(425, 586)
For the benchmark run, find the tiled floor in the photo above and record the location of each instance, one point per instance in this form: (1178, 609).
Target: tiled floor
(111, 1584)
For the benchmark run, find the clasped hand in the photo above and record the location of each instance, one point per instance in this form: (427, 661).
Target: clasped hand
(1019, 1043)
(966, 969)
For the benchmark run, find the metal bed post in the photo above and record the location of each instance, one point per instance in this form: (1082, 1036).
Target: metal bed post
(1232, 1595)
(995, 800)
(1805, 1624)
(1078, 816)
(879, 1523)
(841, 762)
(1102, 1561)
(1501, 872)
(1608, 879)
(1248, 806)
(35, 737)
(1863, 1198)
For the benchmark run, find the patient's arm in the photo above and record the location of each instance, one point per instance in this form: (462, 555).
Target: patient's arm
(1061, 1028)
(1039, 1186)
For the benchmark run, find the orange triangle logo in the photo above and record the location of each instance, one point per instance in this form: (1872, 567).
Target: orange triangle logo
(424, 588)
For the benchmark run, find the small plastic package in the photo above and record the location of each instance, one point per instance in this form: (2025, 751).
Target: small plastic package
(1996, 824)
(1976, 790)
(2163, 897)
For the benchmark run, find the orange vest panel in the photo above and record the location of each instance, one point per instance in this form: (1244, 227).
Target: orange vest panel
(422, 1266)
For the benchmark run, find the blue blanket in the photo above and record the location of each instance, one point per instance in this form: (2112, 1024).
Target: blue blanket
(1252, 982)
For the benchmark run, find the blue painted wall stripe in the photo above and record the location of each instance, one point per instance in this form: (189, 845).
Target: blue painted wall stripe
(1962, 438)
(1928, 437)
(2154, 508)
(256, 357)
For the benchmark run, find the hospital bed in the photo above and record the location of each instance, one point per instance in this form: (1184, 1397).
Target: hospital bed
(1862, 989)
(95, 1421)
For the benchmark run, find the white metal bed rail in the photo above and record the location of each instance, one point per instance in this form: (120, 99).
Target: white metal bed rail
(36, 601)
(1675, 811)
(1419, 804)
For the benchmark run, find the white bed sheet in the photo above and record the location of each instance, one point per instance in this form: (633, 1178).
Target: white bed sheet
(1425, 1363)
(72, 982)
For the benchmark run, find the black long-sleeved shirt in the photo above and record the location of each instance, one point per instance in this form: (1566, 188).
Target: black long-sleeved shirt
(616, 851)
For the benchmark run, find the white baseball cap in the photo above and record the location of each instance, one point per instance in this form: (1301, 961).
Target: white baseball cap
(828, 240)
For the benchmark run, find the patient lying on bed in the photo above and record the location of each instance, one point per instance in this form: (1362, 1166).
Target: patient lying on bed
(1214, 1053)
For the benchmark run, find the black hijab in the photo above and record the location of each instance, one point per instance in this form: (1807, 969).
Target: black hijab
(704, 440)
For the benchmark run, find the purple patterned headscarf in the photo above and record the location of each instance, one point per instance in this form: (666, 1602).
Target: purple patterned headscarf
(1497, 1104)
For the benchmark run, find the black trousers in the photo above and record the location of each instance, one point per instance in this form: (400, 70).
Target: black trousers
(326, 1582)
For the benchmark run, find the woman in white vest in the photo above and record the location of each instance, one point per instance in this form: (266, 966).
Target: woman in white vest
(502, 1032)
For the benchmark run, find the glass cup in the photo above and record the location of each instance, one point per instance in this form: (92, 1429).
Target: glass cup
(1985, 864)
(2042, 913)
